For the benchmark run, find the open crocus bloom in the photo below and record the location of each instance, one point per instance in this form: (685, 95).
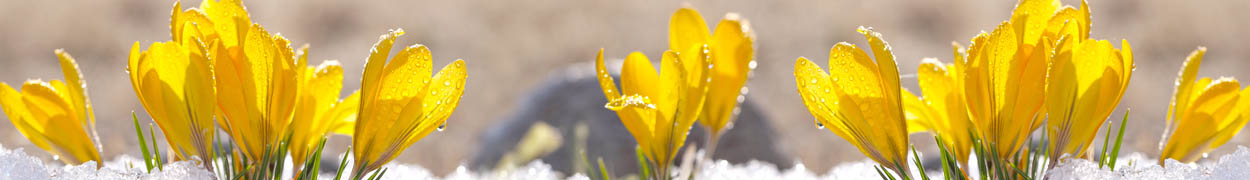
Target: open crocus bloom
(732, 53)
(1087, 79)
(861, 99)
(943, 110)
(318, 110)
(400, 103)
(174, 82)
(658, 109)
(56, 116)
(1204, 113)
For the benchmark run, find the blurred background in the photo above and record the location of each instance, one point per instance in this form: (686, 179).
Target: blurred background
(512, 46)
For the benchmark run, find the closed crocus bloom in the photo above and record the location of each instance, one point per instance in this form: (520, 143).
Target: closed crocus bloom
(318, 110)
(196, 18)
(861, 100)
(256, 89)
(56, 116)
(230, 21)
(1087, 79)
(732, 53)
(174, 82)
(942, 110)
(1004, 88)
(1204, 113)
(400, 103)
(658, 109)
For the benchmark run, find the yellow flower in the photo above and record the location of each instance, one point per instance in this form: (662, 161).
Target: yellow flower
(1087, 78)
(56, 116)
(174, 82)
(226, 21)
(1204, 113)
(256, 88)
(732, 53)
(943, 110)
(318, 110)
(256, 72)
(400, 103)
(658, 109)
(860, 100)
(1005, 87)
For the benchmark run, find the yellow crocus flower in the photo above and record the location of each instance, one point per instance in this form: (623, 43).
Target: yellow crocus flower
(943, 109)
(318, 110)
(174, 82)
(658, 109)
(1004, 87)
(256, 88)
(400, 103)
(1204, 113)
(1087, 79)
(256, 72)
(1006, 70)
(732, 51)
(860, 100)
(56, 116)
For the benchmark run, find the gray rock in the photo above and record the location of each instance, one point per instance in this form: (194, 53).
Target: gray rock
(573, 98)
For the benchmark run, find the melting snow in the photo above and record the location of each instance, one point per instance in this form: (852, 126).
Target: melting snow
(16, 164)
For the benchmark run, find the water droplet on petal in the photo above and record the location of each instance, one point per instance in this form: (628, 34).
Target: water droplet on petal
(442, 127)
(752, 64)
(819, 125)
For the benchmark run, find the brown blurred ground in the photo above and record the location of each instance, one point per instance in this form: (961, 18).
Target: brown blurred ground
(511, 45)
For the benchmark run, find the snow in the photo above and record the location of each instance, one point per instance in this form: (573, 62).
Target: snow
(1230, 166)
(16, 164)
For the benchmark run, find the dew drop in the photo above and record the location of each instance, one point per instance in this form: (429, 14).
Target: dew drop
(819, 125)
(752, 65)
(442, 127)
(741, 98)
(1204, 155)
(447, 83)
(744, 90)
(56, 157)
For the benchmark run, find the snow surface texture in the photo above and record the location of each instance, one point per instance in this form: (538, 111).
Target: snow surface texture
(17, 165)
(1231, 166)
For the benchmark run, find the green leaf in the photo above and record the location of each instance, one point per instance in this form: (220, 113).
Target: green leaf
(143, 145)
(642, 162)
(918, 164)
(155, 149)
(1102, 156)
(342, 164)
(603, 170)
(1119, 137)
